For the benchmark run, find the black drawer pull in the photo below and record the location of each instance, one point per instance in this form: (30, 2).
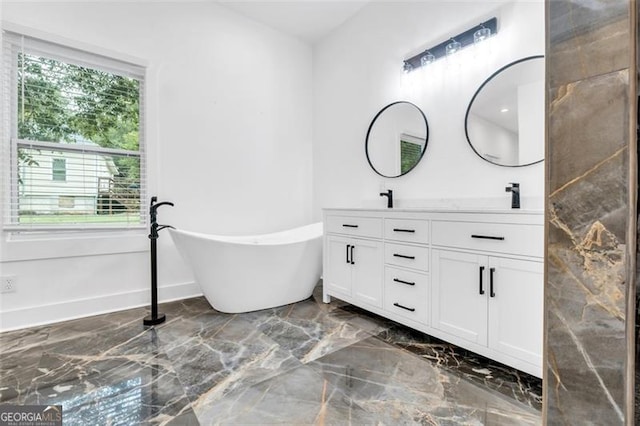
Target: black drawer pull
(403, 282)
(346, 225)
(404, 307)
(491, 272)
(481, 274)
(403, 230)
(403, 256)
(487, 237)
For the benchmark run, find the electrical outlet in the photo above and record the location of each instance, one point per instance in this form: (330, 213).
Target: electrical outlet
(8, 284)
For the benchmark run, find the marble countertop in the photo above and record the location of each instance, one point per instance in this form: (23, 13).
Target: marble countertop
(442, 210)
(529, 205)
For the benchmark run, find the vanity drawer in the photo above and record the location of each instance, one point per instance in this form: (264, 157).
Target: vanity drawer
(522, 239)
(408, 256)
(409, 230)
(405, 294)
(356, 226)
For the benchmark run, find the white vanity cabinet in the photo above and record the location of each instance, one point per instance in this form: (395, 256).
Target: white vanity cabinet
(471, 278)
(490, 301)
(406, 258)
(353, 269)
(353, 259)
(488, 284)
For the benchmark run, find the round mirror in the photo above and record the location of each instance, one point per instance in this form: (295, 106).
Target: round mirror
(505, 118)
(397, 139)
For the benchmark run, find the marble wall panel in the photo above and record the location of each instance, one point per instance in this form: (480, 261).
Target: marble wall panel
(587, 38)
(588, 124)
(587, 210)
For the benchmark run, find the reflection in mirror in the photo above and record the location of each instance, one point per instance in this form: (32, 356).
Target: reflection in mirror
(505, 118)
(397, 139)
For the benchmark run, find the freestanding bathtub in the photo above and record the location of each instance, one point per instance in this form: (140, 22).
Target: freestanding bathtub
(248, 273)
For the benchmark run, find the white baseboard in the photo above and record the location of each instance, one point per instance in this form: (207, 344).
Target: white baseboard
(81, 308)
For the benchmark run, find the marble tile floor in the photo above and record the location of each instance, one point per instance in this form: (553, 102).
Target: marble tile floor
(306, 363)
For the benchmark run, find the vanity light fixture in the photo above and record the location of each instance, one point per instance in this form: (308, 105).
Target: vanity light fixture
(452, 45)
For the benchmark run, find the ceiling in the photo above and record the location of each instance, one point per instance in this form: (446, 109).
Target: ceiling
(309, 20)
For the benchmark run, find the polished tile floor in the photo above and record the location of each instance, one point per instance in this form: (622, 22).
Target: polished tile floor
(306, 363)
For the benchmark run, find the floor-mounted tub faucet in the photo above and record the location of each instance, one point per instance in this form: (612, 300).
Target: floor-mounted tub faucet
(389, 195)
(515, 195)
(155, 317)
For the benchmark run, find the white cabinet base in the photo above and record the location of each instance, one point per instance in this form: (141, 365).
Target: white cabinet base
(477, 283)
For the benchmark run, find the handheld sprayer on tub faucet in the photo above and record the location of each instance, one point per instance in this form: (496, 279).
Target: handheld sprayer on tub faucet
(155, 317)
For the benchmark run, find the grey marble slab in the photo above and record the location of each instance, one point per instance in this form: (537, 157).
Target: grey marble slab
(475, 368)
(588, 177)
(17, 370)
(221, 358)
(299, 396)
(400, 388)
(587, 38)
(99, 390)
(588, 121)
(310, 330)
(283, 365)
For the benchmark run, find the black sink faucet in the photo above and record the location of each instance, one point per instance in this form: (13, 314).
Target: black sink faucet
(515, 195)
(389, 195)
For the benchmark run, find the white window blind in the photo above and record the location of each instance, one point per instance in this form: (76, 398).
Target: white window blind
(73, 139)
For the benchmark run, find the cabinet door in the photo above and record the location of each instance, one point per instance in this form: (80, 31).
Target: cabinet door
(367, 272)
(459, 304)
(516, 308)
(337, 277)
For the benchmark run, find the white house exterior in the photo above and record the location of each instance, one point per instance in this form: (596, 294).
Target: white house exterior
(56, 182)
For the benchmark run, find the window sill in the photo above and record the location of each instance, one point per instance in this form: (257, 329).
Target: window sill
(21, 246)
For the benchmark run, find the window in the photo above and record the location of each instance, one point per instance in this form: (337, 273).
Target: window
(59, 171)
(73, 125)
(410, 151)
(66, 202)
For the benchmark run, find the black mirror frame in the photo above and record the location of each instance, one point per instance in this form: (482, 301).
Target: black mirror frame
(466, 116)
(426, 142)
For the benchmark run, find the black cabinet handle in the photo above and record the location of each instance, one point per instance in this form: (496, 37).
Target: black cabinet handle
(487, 237)
(491, 271)
(352, 261)
(404, 307)
(403, 282)
(481, 274)
(403, 230)
(346, 225)
(348, 245)
(403, 256)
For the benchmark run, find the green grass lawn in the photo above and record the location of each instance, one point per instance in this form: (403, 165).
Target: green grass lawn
(61, 219)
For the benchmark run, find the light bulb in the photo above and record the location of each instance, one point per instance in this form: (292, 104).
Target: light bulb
(427, 58)
(482, 34)
(453, 47)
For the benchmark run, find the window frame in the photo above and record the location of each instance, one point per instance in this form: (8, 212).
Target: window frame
(73, 52)
(59, 174)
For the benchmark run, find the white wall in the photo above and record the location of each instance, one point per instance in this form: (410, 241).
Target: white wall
(229, 140)
(357, 71)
